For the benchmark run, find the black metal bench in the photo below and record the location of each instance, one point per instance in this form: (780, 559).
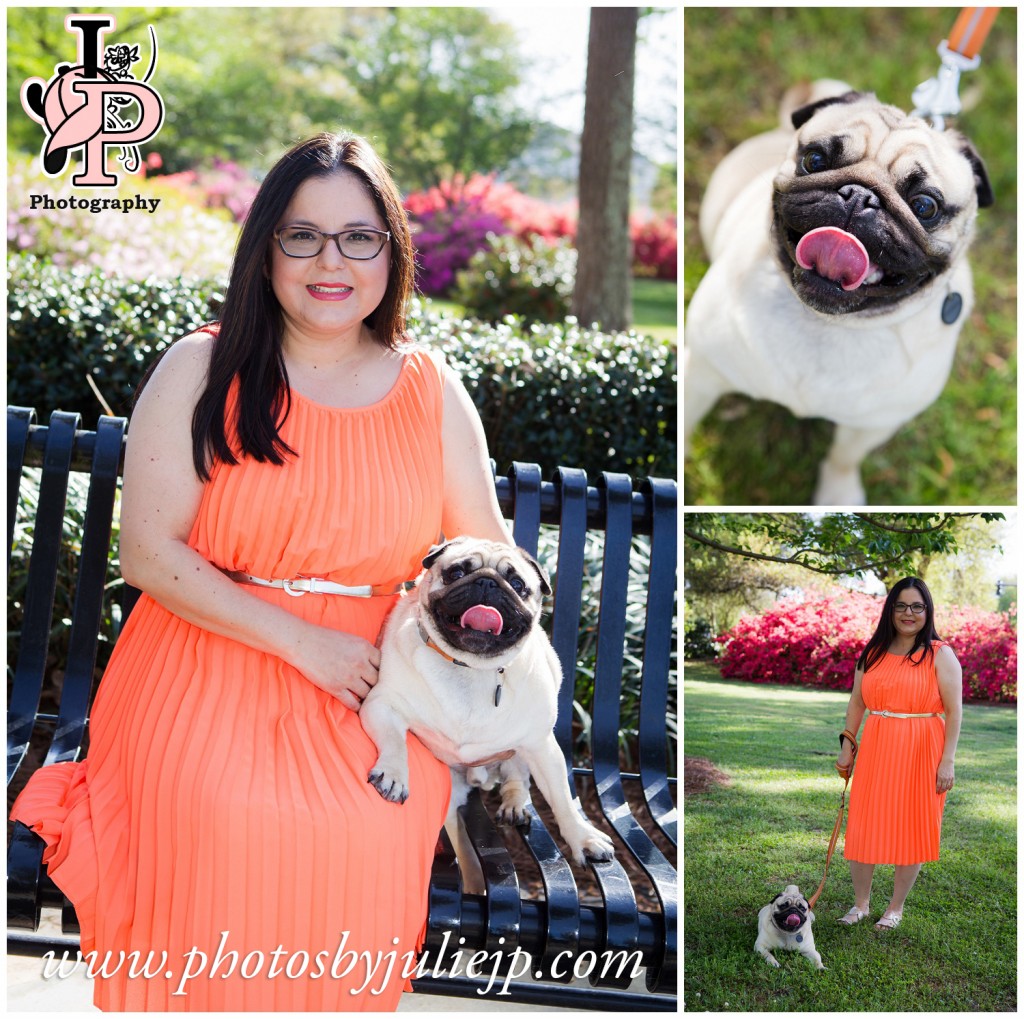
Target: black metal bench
(602, 932)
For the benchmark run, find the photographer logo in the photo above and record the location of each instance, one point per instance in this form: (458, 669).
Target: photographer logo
(92, 107)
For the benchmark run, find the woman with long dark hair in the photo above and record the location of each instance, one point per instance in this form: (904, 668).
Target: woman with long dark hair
(906, 679)
(287, 469)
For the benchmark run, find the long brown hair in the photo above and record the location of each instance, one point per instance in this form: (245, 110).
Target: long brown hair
(247, 342)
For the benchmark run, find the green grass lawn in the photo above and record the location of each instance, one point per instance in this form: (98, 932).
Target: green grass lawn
(737, 63)
(956, 949)
(654, 308)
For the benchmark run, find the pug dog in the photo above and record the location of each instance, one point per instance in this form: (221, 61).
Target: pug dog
(466, 667)
(839, 280)
(785, 923)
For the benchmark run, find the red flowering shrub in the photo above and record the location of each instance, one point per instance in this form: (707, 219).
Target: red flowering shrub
(817, 643)
(523, 216)
(449, 224)
(655, 247)
(986, 645)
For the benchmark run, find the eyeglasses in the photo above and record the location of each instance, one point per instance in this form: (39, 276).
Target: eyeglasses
(304, 242)
(917, 608)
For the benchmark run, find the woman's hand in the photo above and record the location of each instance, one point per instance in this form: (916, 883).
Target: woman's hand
(944, 777)
(341, 664)
(844, 762)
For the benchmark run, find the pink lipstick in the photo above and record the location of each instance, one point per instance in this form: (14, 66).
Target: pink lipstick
(329, 291)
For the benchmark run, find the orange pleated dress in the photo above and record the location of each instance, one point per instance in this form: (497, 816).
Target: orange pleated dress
(895, 813)
(222, 824)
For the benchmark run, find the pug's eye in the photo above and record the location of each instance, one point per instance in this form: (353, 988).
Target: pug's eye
(813, 161)
(453, 573)
(925, 208)
(517, 585)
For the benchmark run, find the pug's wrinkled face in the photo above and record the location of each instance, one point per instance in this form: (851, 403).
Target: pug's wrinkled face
(790, 910)
(481, 598)
(872, 205)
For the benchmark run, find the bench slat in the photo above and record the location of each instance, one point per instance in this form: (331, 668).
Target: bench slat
(19, 421)
(570, 486)
(654, 692)
(89, 589)
(41, 589)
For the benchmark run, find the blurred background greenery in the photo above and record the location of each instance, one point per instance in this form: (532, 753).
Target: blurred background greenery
(470, 114)
(738, 62)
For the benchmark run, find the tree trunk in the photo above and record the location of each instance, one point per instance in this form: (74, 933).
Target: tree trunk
(603, 272)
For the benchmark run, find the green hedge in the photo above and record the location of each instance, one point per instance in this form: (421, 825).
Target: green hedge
(551, 394)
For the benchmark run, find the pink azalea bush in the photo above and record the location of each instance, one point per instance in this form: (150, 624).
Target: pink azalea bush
(224, 186)
(817, 642)
(453, 221)
(450, 224)
(521, 215)
(182, 238)
(655, 247)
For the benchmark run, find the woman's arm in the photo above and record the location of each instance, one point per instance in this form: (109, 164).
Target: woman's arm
(470, 504)
(951, 690)
(854, 716)
(161, 499)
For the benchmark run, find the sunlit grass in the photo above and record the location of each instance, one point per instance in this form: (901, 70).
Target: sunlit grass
(770, 826)
(654, 308)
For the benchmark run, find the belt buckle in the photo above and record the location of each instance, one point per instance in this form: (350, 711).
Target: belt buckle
(886, 713)
(291, 588)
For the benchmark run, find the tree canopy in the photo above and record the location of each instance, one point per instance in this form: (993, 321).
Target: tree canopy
(431, 87)
(835, 544)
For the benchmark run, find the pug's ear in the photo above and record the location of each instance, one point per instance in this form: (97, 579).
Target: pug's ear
(777, 897)
(434, 554)
(804, 113)
(981, 182)
(545, 583)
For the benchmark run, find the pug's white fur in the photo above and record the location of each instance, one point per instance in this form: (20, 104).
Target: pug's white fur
(770, 935)
(451, 709)
(748, 332)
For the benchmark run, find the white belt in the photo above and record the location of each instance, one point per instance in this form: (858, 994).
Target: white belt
(907, 714)
(299, 586)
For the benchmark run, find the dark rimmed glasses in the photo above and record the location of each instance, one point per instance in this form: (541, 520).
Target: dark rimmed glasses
(362, 243)
(917, 608)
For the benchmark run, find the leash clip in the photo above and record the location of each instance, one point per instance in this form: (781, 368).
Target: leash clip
(939, 97)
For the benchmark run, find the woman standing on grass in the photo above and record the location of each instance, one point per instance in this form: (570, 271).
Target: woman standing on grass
(906, 678)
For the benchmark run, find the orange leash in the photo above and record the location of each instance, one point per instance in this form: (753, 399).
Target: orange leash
(938, 98)
(971, 30)
(839, 819)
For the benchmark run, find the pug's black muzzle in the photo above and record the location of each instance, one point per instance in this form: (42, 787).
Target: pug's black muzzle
(484, 587)
(897, 245)
(785, 917)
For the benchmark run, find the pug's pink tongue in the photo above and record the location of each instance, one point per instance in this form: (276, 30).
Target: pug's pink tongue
(483, 618)
(836, 255)
(793, 920)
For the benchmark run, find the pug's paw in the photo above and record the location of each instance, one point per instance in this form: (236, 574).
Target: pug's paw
(514, 801)
(390, 781)
(591, 843)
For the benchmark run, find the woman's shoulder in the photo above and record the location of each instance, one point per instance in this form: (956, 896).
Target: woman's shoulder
(185, 364)
(425, 360)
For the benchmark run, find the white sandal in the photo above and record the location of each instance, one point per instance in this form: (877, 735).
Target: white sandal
(855, 915)
(888, 921)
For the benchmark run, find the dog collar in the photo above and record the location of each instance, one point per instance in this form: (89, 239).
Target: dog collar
(428, 640)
